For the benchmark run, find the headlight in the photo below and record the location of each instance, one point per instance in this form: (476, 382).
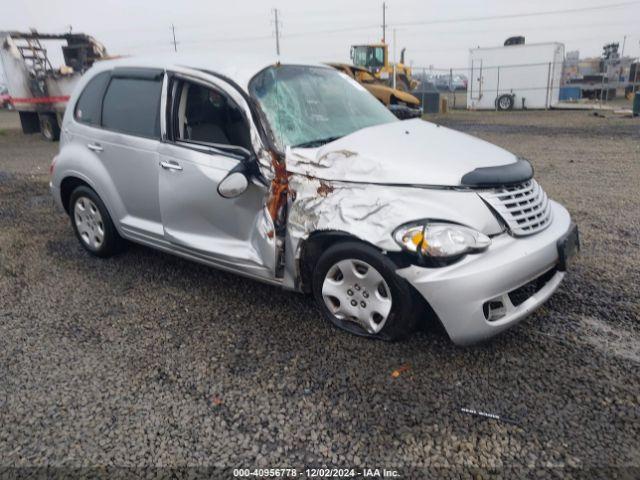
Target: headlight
(440, 239)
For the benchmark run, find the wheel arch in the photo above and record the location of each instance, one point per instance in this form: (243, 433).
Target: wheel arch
(314, 245)
(67, 186)
(317, 242)
(72, 180)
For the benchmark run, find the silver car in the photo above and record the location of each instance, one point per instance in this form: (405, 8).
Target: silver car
(294, 175)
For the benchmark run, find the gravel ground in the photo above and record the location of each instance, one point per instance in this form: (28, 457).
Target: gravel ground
(149, 360)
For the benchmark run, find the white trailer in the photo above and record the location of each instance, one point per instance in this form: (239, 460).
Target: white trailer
(37, 89)
(515, 76)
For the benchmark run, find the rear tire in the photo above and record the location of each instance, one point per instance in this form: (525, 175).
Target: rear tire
(505, 102)
(49, 127)
(357, 290)
(92, 223)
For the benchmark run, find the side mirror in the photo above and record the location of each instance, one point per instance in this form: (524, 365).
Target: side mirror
(233, 185)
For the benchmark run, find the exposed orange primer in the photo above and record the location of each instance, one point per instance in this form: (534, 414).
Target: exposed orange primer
(279, 187)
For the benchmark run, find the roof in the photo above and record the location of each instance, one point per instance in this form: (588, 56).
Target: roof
(519, 45)
(239, 68)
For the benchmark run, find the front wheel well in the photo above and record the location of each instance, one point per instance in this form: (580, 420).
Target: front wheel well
(67, 186)
(311, 250)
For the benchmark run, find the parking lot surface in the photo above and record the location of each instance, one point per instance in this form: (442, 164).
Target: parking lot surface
(147, 359)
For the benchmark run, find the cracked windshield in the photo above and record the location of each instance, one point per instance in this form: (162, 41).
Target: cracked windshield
(310, 106)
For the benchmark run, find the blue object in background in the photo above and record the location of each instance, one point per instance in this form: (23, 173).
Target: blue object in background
(570, 93)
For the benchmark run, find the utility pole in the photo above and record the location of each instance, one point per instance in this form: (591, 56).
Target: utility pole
(275, 15)
(384, 21)
(175, 44)
(395, 60)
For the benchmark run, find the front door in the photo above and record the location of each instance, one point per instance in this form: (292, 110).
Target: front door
(207, 137)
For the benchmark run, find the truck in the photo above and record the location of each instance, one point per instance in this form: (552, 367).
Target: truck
(401, 103)
(375, 58)
(37, 89)
(515, 76)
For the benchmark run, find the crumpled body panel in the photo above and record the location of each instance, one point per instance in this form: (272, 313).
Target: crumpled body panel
(372, 213)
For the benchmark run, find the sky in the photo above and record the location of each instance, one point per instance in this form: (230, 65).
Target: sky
(437, 34)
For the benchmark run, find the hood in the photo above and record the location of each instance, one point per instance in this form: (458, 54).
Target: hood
(411, 152)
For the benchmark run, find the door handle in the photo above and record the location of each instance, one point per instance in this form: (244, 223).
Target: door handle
(170, 166)
(94, 147)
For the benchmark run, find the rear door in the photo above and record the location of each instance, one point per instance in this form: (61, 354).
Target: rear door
(128, 145)
(208, 136)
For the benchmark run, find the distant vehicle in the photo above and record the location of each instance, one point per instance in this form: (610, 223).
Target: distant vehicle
(294, 175)
(4, 96)
(401, 103)
(426, 82)
(38, 90)
(451, 82)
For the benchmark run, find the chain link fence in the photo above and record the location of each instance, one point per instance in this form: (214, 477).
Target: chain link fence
(529, 85)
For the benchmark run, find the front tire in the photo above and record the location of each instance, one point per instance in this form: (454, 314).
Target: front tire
(357, 290)
(92, 223)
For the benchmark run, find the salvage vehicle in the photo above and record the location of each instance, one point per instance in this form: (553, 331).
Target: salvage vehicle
(402, 104)
(294, 175)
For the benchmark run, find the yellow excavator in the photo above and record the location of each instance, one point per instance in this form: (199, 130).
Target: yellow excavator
(401, 103)
(375, 58)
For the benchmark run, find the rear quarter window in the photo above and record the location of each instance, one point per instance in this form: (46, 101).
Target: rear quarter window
(89, 104)
(132, 106)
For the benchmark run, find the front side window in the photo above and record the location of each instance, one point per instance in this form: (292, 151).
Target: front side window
(207, 116)
(308, 106)
(89, 104)
(378, 57)
(132, 106)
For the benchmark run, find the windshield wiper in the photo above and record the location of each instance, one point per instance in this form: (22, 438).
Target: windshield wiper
(317, 143)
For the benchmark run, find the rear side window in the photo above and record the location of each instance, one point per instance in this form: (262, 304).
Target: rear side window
(132, 106)
(90, 101)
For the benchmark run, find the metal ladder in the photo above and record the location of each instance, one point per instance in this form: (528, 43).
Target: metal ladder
(37, 62)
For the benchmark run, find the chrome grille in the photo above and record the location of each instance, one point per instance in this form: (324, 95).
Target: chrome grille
(524, 207)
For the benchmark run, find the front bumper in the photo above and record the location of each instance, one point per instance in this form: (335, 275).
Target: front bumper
(459, 292)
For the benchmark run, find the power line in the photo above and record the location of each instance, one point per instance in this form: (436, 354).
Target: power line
(460, 19)
(516, 15)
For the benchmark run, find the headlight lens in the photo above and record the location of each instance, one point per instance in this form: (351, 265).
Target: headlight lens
(440, 239)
